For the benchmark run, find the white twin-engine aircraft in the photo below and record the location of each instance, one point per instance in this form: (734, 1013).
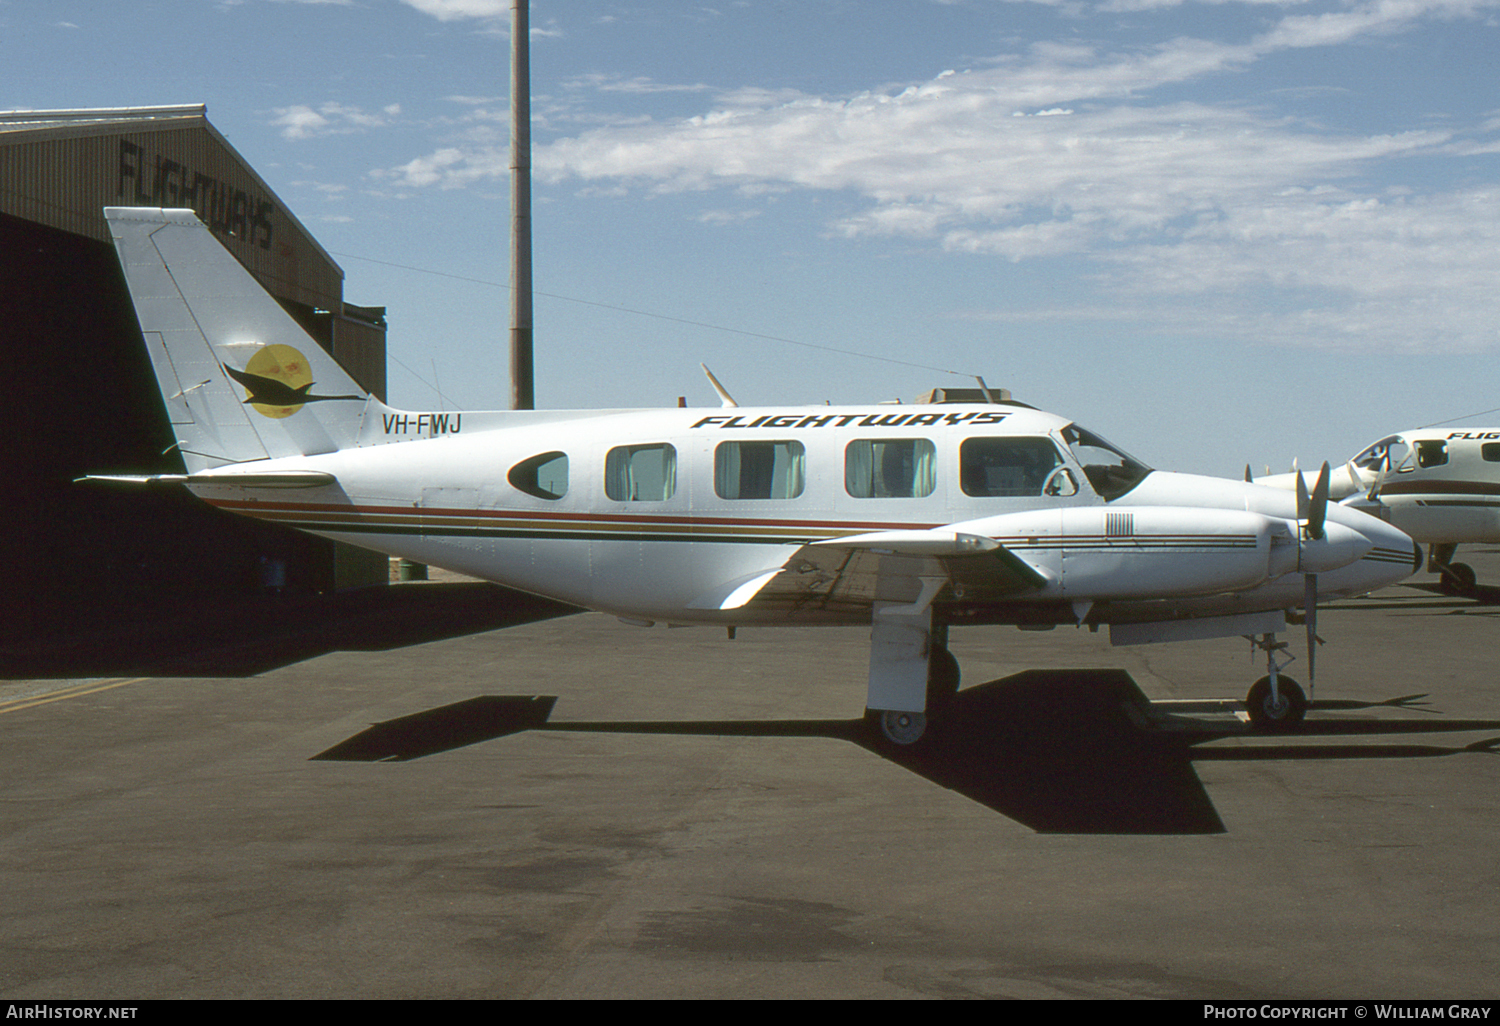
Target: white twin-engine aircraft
(909, 518)
(1439, 485)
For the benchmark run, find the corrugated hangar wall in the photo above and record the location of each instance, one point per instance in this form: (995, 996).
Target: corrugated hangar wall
(81, 390)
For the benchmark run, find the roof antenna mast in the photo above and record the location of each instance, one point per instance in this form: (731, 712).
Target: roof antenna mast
(522, 386)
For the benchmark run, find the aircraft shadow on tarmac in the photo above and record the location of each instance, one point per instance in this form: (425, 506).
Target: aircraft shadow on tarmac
(1060, 751)
(1479, 594)
(251, 636)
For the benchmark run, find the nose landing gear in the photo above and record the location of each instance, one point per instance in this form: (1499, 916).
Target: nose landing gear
(1275, 702)
(1278, 707)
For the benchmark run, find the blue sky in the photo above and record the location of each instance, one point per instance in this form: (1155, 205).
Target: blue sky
(1214, 232)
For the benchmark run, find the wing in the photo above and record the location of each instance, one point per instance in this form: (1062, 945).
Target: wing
(844, 577)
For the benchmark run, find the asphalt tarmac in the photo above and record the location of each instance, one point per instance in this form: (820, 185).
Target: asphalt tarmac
(702, 818)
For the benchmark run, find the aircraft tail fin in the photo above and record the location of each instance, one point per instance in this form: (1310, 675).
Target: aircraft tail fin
(241, 380)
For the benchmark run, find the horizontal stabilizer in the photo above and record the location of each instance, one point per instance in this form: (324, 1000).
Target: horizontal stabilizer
(281, 479)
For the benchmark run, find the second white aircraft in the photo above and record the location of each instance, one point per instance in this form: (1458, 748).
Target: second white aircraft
(1439, 485)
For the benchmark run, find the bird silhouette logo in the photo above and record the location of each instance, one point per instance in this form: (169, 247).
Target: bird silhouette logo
(279, 382)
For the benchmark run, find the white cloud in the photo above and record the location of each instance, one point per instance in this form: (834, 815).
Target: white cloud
(450, 168)
(1170, 199)
(303, 122)
(724, 217)
(455, 10)
(638, 84)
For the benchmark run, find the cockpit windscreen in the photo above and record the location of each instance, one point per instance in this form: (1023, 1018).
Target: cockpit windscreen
(1110, 471)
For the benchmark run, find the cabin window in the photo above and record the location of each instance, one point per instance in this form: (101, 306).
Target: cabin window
(991, 467)
(545, 476)
(759, 470)
(1490, 451)
(641, 473)
(890, 468)
(1432, 453)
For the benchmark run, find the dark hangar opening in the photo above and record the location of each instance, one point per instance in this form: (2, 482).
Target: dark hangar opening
(80, 396)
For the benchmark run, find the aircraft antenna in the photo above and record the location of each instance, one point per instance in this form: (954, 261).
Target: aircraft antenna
(990, 393)
(522, 386)
(726, 400)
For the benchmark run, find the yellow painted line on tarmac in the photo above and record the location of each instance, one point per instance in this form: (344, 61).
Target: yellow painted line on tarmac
(77, 691)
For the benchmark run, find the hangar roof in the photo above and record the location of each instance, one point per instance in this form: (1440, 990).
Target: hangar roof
(61, 168)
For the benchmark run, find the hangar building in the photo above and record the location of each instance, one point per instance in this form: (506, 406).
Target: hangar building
(79, 395)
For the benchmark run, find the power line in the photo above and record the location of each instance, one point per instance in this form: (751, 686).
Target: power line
(1452, 420)
(662, 317)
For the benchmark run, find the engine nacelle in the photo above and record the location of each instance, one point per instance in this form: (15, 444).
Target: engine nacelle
(1142, 552)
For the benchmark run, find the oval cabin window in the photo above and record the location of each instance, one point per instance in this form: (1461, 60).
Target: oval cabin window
(545, 476)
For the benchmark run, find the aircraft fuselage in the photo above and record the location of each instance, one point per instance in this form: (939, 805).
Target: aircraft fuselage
(645, 514)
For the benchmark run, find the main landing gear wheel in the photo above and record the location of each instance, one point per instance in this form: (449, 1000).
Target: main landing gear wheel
(907, 728)
(902, 728)
(1457, 579)
(1269, 715)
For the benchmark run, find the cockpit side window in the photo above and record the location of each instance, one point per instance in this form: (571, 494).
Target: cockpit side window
(1432, 453)
(545, 476)
(1109, 470)
(993, 467)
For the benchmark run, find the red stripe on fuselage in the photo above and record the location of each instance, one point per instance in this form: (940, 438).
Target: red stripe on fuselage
(250, 508)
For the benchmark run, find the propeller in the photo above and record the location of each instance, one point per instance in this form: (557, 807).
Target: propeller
(1312, 512)
(1374, 493)
(1356, 479)
(1317, 512)
(1367, 495)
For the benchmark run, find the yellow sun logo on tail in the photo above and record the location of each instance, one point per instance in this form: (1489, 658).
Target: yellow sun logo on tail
(282, 364)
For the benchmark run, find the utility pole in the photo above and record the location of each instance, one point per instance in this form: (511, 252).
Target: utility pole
(522, 385)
